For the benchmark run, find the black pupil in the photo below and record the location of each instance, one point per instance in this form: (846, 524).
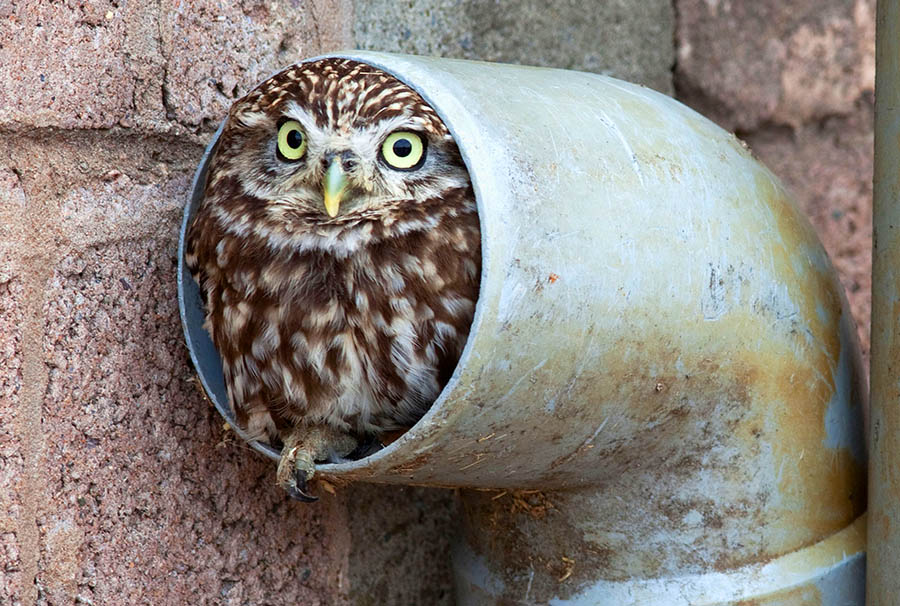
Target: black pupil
(402, 147)
(294, 139)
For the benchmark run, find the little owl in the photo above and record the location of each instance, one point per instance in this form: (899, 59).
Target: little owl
(338, 254)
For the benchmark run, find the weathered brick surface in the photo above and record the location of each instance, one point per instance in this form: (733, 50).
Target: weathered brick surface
(163, 66)
(400, 534)
(11, 572)
(148, 500)
(12, 460)
(621, 38)
(745, 64)
(74, 73)
(216, 51)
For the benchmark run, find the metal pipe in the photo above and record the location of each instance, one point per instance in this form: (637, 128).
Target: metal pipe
(660, 400)
(884, 416)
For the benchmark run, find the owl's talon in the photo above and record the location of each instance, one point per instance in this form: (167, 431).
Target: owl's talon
(302, 448)
(296, 468)
(297, 489)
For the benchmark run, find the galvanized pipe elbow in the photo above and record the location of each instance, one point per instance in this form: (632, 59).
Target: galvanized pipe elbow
(660, 400)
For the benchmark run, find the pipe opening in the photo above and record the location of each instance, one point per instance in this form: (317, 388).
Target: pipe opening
(444, 316)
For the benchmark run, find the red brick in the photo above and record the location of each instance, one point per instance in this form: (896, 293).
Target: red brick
(744, 64)
(168, 67)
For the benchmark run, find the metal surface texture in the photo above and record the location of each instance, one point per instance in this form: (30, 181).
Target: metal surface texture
(884, 418)
(661, 397)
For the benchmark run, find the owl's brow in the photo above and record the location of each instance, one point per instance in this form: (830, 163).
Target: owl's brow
(295, 111)
(402, 122)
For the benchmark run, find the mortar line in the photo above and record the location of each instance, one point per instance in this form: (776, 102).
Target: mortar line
(35, 270)
(34, 382)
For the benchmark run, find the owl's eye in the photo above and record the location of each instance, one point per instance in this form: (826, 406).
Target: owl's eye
(291, 141)
(403, 150)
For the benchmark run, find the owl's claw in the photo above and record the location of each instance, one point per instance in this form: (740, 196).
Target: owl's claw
(297, 489)
(302, 448)
(295, 470)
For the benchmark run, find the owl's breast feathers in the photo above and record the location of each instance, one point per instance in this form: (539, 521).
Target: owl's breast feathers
(361, 340)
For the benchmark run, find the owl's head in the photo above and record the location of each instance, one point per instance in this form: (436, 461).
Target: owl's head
(334, 143)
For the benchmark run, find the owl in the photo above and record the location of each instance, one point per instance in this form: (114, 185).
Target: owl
(338, 254)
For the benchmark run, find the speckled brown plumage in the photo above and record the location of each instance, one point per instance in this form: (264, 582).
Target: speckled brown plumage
(350, 325)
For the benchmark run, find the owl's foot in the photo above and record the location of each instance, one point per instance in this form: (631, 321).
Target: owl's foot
(302, 448)
(299, 471)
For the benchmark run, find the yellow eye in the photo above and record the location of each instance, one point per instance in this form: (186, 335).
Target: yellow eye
(291, 141)
(403, 150)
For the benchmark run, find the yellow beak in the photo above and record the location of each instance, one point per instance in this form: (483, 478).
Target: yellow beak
(334, 186)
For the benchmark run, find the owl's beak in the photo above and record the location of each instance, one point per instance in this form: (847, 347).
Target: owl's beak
(334, 186)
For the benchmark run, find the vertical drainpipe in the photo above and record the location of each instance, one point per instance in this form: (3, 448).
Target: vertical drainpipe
(884, 426)
(660, 400)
